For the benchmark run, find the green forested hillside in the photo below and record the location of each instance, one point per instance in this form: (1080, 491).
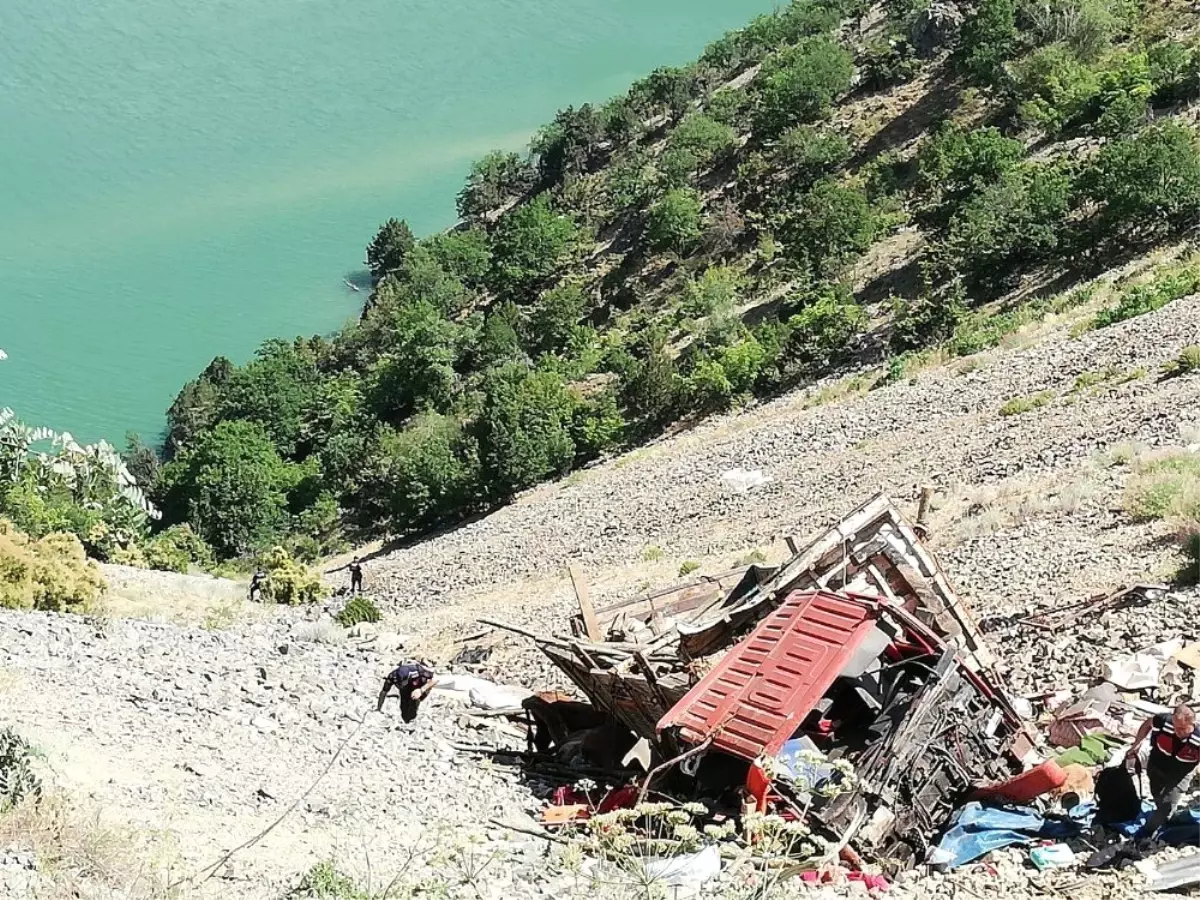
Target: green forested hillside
(838, 184)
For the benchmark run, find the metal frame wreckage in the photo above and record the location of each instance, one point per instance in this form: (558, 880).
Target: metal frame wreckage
(856, 649)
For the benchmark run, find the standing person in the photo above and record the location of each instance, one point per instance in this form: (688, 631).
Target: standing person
(1174, 754)
(256, 586)
(413, 681)
(355, 567)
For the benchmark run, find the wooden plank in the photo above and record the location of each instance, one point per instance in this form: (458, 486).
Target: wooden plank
(590, 623)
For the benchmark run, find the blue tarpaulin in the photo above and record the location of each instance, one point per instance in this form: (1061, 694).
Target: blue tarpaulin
(977, 830)
(1183, 830)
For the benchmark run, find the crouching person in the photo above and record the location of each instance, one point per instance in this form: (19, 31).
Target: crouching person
(413, 681)
(1174, 755)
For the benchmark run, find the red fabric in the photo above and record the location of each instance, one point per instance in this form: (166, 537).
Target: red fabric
(1027, 786)
(622, 798)
(826, 876)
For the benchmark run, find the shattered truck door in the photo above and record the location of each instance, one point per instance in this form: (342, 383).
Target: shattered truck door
(759, 693)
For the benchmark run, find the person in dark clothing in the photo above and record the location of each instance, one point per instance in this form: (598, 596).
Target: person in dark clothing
(413, 681)
(356, 575)
(256, 586)
(1174, 755)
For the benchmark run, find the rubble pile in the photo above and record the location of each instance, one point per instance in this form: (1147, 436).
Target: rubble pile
(1070, 651)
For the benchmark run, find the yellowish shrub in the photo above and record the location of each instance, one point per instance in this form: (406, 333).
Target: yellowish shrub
(51, 573)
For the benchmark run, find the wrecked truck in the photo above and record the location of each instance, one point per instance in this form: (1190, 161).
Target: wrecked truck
(858, 679)
(855, 649)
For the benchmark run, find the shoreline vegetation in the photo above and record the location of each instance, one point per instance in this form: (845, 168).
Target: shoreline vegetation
(837, 187)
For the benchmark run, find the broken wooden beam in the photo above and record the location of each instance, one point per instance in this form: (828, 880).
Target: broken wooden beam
(590, 623)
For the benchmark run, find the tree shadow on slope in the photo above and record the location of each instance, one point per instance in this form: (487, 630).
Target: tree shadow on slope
(911, 123)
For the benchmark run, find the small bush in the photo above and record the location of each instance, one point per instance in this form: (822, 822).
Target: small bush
(888, 62)
(810, 153)
(1187, 362)
(289, 582)
(177, 549)
(829, 226)
(754, 558)
(812, 341)
(989, 39)
(1165, 487)
(18, 781)
(713, 293)
(324, 882)
(673, 223)
(1019, 405)
(358, 609)
(801, 83)
(51, 573)
(688, 567)
(652, 554)
(928, 320)
(695, 144)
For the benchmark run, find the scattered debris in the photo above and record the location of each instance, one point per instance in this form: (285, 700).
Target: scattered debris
(742, 481)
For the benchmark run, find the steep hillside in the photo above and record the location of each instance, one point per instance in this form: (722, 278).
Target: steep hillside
(164, 747)
(836, 186)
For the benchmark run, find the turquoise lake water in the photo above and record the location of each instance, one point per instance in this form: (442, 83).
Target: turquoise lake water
(182, 180)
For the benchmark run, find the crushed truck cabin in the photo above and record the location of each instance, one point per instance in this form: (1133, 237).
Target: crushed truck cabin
(772, 681)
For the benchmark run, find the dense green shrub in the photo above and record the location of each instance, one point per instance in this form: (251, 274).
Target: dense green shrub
(1019, 220)
(1150, 182)
(177, 549)
(570, 145)
(929, 319)
(232, 488)
(274, 389)
(989, 39)
(728, 106)
(1140, 299)
(830, 225)
(416, 370)
(673, 223)
(464, 254)
(713, 293)
(694, 144)
(810, 342)
(1174, 71)
(531, 244)
(651, 385)
(18, 780)
(555, 319)
(525, 429)
(1054, 89)
(597, 425)
(799, 84)
(422, 475)
(887, 62)
(956, 164)
(358, 609)
(1086, 27)
(809, 153)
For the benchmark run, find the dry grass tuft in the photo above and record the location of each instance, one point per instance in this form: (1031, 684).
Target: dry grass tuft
(79, 855)
(1164, 485)
(322, 631)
